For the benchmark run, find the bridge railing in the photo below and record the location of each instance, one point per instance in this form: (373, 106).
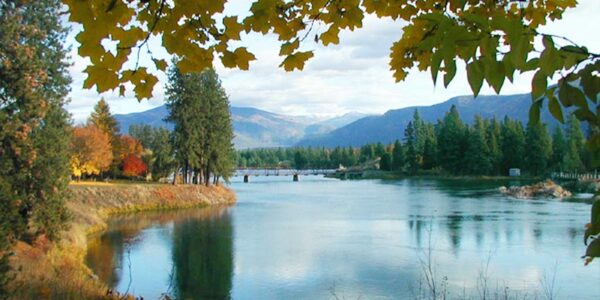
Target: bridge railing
(576, 176)
(282, 172)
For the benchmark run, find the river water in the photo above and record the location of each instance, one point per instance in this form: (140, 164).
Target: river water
(370, 239)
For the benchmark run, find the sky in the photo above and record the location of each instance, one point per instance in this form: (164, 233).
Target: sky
(353, 76)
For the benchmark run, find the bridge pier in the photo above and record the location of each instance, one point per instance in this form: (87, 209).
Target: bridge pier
(295, 177)
(246, 178)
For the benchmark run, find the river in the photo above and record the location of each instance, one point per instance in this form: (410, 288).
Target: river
(370, 239)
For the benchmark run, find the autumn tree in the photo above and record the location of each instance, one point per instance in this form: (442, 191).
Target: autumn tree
(91, 153)
(133, 166)
(33, 124)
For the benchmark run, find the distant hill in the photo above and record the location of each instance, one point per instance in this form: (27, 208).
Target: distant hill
(390, 126)
(253, 127)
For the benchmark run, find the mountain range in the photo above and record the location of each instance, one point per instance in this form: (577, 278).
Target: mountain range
(255, 128)
(390, 126)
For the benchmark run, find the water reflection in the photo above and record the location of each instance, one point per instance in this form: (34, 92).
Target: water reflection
(203, 257)
(200, 242)
(361, 239)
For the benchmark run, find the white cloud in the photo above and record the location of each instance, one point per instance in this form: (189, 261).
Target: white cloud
(352, 76)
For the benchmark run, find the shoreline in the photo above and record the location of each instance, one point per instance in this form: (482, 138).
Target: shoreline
(57, 270)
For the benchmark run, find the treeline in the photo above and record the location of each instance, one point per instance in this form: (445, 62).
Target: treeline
(487, 147)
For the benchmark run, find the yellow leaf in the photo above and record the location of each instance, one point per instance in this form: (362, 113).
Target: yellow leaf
(232, 27)
(288, 48)
(243, 57)
(160, 64)
(296, 61)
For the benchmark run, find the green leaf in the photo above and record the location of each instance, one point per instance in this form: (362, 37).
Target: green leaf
(590, 84)
(450, 71)
(538, 85)
(534, 112)
(160, 64)
(554, 106)
(570, 95)
(436, 61)
(494, 74)
(475, 76)
(296, 61)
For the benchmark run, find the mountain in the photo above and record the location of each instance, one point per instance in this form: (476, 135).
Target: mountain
(328, 125)
(390, 126)
(253, 127)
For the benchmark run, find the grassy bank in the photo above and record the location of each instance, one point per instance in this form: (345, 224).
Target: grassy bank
(49, 270)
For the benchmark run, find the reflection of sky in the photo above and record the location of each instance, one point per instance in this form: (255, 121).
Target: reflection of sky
(364, 238)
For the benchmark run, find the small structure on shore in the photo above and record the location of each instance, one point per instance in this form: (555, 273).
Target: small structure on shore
(544, 189)
(514, 172)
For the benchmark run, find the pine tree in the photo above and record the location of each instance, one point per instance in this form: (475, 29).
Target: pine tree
(430, 149)
(575, 146)
(412, 156)
(512, 144)
(538, 148)
(33, 131)
(202, 137)
(477, 156)
(398, 157)
(385, 163)
(559, 150)
(104, 120)
(451, 142)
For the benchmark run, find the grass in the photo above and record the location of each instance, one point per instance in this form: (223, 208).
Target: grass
(56, 270)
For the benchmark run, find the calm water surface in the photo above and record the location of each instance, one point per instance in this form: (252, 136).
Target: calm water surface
(325, 239)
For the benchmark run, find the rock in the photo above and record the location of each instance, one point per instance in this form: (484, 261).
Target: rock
(544, 189)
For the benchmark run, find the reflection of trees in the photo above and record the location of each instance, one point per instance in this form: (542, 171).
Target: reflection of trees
(203, 257)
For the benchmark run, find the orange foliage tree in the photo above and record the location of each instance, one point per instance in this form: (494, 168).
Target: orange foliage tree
(91, 152)
(133, 166)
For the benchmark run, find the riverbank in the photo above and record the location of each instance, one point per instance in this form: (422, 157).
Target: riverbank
(57, 270)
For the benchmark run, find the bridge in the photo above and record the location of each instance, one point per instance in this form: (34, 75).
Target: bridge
(246, 173)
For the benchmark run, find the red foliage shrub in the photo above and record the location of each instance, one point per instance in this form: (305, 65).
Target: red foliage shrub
(133, 166)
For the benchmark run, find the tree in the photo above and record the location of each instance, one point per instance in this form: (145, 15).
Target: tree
(538, 148)
(33, 124)
(559, 149)
(104, 120)
(386, 162)
(477, 158)
(512, 144)
(398, 160)
(202, 136)
(451, 142)
(133, 166)
(90, 151)
(300, 160)
(161, 162)
(575, 146)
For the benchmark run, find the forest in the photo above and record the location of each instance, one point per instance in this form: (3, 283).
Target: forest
(486, 147)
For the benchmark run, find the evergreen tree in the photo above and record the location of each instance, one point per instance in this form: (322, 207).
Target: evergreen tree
(33, 86)
(493, 138)
(559, 149)
(477, 156)
(199, 108)
(385, 163)
(538, 148)
(378, 150)
(451, 142)
(104, 120)
(576, 152)
(398, 159)
(412, 156)
(430, 151)
(512, 144)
